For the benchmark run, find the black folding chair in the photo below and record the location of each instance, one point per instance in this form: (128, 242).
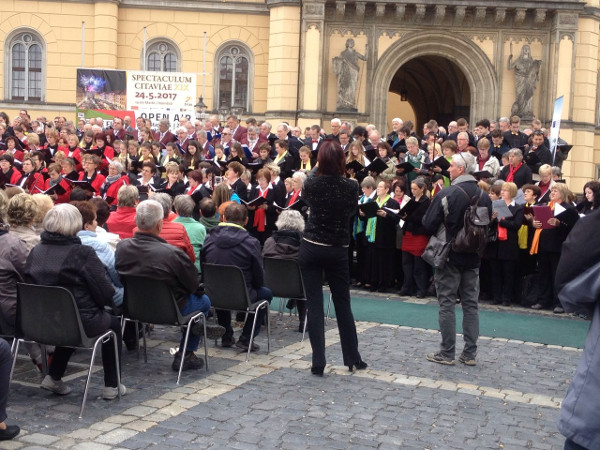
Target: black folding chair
(284, 278)
(226, 288)
(148, 300)
(56, 309)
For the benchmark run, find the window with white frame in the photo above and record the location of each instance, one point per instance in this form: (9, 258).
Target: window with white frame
(162, 56)
(25, 51)
(235, 75)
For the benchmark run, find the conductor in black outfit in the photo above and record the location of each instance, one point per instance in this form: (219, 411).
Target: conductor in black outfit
(332, 199)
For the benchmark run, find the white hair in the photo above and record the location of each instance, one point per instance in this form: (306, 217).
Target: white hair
(290, 220)
(117, 164)
(336, 121)
(147, 215)
(398, 120)
(63, 219)
(464, 159)
(165, 201)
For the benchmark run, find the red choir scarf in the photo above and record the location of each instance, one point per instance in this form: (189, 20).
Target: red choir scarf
(260, 214)
(510, 178)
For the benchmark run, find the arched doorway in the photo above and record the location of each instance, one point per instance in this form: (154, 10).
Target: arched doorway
(434, 87)
(472, 74)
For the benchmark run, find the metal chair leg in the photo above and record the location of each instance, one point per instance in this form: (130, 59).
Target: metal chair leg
(117, 364)
(182, 352)
(15, 354)
(305, 322)
(87, 381)
(144, 339)
(328, 309)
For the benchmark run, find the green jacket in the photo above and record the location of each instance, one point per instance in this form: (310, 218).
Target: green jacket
(196, 232)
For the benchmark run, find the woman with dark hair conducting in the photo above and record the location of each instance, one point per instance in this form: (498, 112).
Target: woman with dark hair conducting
(332, 199)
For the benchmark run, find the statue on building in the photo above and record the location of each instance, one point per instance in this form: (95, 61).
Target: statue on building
(527, 72)
(347, 70)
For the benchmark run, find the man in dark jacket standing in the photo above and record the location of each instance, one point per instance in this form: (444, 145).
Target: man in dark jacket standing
(231, 244)
(578, 286)
(146, 254)
(459, 277)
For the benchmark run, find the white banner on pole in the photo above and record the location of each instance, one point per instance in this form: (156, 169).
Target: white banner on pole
(556, 116)
(161, 95)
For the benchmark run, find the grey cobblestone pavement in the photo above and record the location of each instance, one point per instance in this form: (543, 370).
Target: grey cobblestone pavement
(511, 399)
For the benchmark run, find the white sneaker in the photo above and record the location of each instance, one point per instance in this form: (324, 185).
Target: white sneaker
(58, 387)
(109, 393)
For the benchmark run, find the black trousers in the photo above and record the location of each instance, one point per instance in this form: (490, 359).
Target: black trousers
(314, 260)
(416, 274)
(5, 365)
(504, 275)
(63, 354)
(547, 264)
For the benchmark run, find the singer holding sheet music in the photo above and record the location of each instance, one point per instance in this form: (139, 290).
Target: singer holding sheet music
(264, 215)
(547, 243)
(416, 271)
(90, 164)
(332, 199)
(380, 232)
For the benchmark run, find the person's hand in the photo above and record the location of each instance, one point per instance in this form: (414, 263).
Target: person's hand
(528, 217)
(416, 170)
(553, 221)
(373, 174)
(360, 213)
(537, 224)
(254, 155)
(53, 196)
(350, 172)
(495, 215)
(437, 169)
(265, 207)
(251, 208)
(381, 213)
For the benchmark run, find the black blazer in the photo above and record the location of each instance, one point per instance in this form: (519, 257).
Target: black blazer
(551, 240)
(286, 165)
(522, 176)
(385, 231)
(508, 250)
(271, 212)
(240, 189)
(176, 189)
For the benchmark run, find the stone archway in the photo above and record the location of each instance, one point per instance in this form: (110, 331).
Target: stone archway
(469, 58)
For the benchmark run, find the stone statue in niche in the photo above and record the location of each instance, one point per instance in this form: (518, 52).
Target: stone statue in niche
(527, 75)
(347, 70)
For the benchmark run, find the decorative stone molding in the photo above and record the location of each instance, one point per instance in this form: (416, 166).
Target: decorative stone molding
(309, 25)
(520, 15)
(540, 16)
(480, 12)
(440, 13)
(567, 19)
(459, 15)
(568, 34)
(314, 9)
(420, 12)
(360, 9)
(380, 9)
(340, 8)
(400, 11)
(500, 16)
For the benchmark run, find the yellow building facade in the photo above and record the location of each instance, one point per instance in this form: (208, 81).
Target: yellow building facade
(292, 60)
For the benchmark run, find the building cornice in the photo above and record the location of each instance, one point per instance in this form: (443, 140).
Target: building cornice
(186, 5)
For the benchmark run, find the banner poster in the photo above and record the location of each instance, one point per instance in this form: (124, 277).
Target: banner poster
(554, 131)
(162, 95)
(101, 93)
(152, 95)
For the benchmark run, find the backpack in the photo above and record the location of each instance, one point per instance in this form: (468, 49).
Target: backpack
(473, 236)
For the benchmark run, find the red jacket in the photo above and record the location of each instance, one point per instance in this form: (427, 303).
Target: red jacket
(96, 182)
(111, 193)
(175, 234)
(122, 221)
(61, 198)
(34, 180)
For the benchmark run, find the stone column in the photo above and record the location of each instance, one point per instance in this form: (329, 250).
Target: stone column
(580, 129)
(311, 66)
(106, 23)
(284, 47)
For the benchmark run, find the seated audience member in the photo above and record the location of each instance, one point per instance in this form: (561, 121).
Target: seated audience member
(209, 217)
(102, 215)
(122, 221)
(184, 207)
(284, 243)
(104, 252)
(146, 254)
(59, 257)
(21, 213)
(231, 244)
(45, 204)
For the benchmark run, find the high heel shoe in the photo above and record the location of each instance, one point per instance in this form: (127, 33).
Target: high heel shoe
(360, 365)
(318, 371)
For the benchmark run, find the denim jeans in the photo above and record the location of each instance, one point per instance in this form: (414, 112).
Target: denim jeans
(452, 282)
(314, 260)
(194, 304)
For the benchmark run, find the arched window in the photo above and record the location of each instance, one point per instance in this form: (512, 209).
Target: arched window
(162, 56)
(26, 64)
(235, 74)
